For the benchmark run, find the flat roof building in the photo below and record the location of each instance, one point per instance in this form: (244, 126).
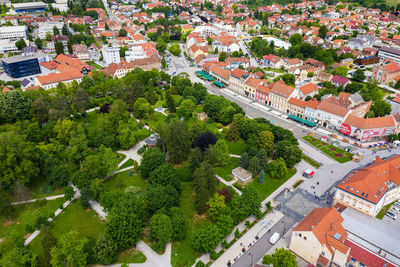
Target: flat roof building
(21, 66)
(13, 32)
(30, 7)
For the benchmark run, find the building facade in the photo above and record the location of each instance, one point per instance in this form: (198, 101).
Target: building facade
(111, 54)
(20, 66)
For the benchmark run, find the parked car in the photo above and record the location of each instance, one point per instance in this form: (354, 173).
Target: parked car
(397, 204)
(391, 215)
(308, 173)
(394, 210)
(274, 238)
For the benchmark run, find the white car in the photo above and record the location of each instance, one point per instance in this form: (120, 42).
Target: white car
(274, 238)
(391, 215)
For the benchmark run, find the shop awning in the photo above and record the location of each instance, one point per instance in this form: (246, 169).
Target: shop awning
(219, 84)
(298, 119)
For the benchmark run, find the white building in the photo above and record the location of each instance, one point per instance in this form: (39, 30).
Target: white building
(13, 32)
(370, 188)
(111, 54)
(135, 52)
(48, 27)
(7, 46)
(320, 238)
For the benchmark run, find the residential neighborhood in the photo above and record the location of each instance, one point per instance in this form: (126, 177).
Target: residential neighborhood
(200, 133)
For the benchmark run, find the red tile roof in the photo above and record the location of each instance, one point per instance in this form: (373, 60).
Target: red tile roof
(59, 77)
(326, 225)
(332, 108)
(308, 88)
(365, 256)
(297, 102)
(282, 89)
(370, 123)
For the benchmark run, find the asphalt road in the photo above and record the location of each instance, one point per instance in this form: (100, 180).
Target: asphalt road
(262, 246)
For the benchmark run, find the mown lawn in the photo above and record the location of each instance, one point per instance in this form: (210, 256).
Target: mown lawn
(155, 119)
(182, 252)
(23, 215)
(94, 64)
(236, 148)
(184, 173)
(270, 184)
(74, 217)
(226, 171)
(336, 153)
(131, 255)
(127, 163)
(122, 180)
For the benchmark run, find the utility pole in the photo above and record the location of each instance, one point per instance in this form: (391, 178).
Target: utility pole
(252, 258)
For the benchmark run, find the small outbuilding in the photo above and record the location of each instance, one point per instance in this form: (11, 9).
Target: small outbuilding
(242, 174)
(151, 141)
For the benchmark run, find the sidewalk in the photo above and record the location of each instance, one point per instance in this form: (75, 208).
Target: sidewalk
(229, 183)
(259, 229)
(34, 200)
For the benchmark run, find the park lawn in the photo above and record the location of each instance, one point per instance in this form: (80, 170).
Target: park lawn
(23, 215)
(142, 134)
(161, 100)
(155, 119)
(236, 148)
(270, 184)
(74, 217)
(310, 161)
(34, 190)
(182, 253)
(122, 180)
(383, 211)
(130, 255)
(184, 172)
(128, 163)
(94, 64)
(336, 153)
(225, 172)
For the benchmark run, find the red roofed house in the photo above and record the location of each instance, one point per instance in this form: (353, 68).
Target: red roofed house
(237, 79)
(370, 188)
(279, 96)
(387, 72)
(297, 107)
(320, 238)
(220, 74)
(339, 80)
(51, 80)
(308, 89)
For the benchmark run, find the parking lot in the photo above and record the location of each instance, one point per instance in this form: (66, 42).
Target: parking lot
(396, 221)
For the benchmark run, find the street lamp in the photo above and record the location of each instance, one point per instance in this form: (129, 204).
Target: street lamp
(252, 258)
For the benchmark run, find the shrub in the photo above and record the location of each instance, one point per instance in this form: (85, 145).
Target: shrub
(225, 244)
(247, 223)
(219, 125)
(237, 233)
(268, 205)
(41, 220)
(29, 228)
(141, 150)
(213, 255)
(200, 264)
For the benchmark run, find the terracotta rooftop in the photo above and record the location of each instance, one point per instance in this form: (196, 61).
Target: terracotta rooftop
(282, 89)
(332, 108)
(59, 77)
(326, 225)
(308, 88)
(371, 182)
(370, 123)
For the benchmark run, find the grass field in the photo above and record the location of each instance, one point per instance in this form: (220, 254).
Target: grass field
(270, 184)
(336, 153)
(130, 255)
(226, 171)
(128, 163)
(122, 180)
(155, 119)
(236, 148)
(94, 64)
(182, 252)
(74, 217)
(23, 215)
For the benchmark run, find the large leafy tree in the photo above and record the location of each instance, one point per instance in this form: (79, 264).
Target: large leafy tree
(206, 239)
(105, 250)
(266, 141)
(159, 197)
(15, 105)
(18, 257)
(19, 160)
(245, 205)
(292, 155)
(178, 224)
(216, 204)
(141, 108)
(165, 175)
(69, 251)
(152, 158)
(126, 220)
(186, 108)
(281, 258)
(277, 169)
(204, 184)
(176, 139)
(160, 230)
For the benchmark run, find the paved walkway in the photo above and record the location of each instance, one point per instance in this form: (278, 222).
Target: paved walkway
(315, 154)
(132, 153)
(34, 200)
(230, 183)
(153, 259)
(234, 156)
(56, 213)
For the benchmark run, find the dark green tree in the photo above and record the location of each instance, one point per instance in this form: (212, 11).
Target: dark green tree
(244, 160)
(160, 230)
(359, 75)
(165, 174)
(323, 30)
(105, 250)
(204, 185)
(158, 197)
(20, 44)
(59, 47)
(48, 242)
(170, 103)
(281, 258)
(178, 224)
(152, 158)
